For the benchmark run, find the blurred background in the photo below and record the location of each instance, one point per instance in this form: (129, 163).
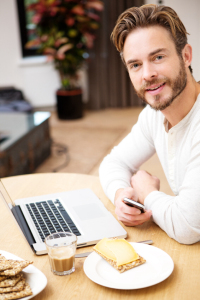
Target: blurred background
(104, 79)
(45, 143)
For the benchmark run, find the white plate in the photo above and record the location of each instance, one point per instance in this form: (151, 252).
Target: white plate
(35, 278)
(158, 267)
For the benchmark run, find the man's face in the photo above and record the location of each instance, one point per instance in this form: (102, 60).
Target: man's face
(156, 71)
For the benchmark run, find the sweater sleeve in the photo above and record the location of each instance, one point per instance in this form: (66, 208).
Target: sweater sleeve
(179, 216)
(117, 168)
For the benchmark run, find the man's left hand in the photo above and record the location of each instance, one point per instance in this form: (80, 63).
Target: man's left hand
(144, 183)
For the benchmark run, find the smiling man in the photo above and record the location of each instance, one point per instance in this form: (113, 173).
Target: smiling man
(152, 42)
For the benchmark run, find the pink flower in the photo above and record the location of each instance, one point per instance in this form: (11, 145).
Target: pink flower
(70, 21)
(40, 7)
(64, 48)
(93, 16)
(60, 41)
(98, 5)
(44, 38)
(61, 52)
(60, 56)
(78, 9)
(50, 51)
(36, 18)
(89, 39)
(53, 11)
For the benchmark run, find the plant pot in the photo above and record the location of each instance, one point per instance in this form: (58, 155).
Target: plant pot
(69, 104)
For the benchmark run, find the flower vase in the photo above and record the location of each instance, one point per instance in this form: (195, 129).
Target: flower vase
(69, 104)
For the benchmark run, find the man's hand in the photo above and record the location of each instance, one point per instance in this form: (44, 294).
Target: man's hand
(128, 215)
(143, 184)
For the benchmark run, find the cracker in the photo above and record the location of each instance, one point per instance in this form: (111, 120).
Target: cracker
(11, 281)
(16, 295)
(5, 265)
(125, 267)
(18, 287)
(17, 267)
(3, 278)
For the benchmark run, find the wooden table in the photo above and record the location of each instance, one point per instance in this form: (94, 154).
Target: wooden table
(183, 283)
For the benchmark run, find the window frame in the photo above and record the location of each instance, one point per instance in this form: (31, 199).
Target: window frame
(23, 31)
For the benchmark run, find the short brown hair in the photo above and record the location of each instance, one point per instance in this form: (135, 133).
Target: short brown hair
(149, 15)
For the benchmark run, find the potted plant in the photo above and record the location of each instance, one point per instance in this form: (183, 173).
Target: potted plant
(65, 32)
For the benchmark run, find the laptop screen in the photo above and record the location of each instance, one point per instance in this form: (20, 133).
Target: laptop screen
(5, 196)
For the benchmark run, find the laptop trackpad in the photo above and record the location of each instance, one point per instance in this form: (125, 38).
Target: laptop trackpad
(89, 211)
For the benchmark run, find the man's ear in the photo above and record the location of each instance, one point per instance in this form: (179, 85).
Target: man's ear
(187, 55)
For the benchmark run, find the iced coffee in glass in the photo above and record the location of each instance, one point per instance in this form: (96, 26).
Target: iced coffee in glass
(61, 247)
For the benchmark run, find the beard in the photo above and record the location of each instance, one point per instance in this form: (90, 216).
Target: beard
(177, 85)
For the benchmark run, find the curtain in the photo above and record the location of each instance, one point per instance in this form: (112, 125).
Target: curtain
(108, 80)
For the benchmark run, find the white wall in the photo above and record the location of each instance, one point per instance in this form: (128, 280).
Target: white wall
(9, 45)
(38, 79)
(189, 13)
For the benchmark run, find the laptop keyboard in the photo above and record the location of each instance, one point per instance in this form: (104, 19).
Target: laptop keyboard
(50, 217)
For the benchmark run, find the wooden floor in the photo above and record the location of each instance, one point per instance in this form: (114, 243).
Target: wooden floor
(89, 139)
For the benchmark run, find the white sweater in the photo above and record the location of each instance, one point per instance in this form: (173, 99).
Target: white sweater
(179, 152)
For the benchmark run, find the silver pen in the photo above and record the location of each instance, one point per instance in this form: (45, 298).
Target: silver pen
(85, 254)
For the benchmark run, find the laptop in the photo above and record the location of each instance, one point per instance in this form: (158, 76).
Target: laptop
(78, 211)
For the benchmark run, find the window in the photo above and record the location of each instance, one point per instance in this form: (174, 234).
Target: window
(27, 28)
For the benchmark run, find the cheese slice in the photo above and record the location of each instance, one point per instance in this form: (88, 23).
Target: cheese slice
(118, 250)
(102, 248)
(122, 250)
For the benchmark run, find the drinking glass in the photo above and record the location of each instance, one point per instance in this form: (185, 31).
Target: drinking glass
(61, 247)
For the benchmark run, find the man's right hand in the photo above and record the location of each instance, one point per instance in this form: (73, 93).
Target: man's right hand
(128, 215)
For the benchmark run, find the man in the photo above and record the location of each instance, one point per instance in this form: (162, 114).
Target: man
(152, 42)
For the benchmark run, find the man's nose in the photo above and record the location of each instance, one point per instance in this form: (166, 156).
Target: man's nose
(149, 72)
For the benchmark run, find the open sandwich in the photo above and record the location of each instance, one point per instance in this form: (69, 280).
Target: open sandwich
(119, 254)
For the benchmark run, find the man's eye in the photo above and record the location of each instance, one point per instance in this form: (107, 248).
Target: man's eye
(159, 57)
(134, 66)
